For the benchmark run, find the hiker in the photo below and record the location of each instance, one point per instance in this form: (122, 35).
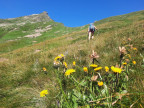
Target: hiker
(91, 30)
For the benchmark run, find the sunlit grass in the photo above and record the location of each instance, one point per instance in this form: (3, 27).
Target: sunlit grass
(23, 77)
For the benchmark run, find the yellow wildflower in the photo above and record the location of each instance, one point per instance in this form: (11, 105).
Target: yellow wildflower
(106, 68)
(61, 55)
(58, 57)
(44, 69)
(93, 65)
(85, 69)
(134, 62)
(68, 72)
(65, 64)
(74, 63)
(116, 70)
(135, 49)
(124, 63)
(100, 83)
(43, 93)
(98, 68)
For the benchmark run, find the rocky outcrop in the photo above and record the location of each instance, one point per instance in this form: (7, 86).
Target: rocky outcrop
(42, 17)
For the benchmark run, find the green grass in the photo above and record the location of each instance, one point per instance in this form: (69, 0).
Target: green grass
(21, 74)
(9, 38)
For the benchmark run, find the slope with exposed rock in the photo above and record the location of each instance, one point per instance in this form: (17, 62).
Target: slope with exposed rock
(22, 31)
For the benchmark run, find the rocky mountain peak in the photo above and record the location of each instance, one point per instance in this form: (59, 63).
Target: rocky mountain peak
(43, 17)
(44, 13)
(34, 18)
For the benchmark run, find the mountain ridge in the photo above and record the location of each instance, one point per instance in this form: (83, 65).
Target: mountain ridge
(42, 17)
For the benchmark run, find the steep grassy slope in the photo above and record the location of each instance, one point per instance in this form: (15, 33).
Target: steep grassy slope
(23, 31)
(22, 77)
(16, 38)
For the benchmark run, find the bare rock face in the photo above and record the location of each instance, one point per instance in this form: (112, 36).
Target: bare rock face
(42, 17)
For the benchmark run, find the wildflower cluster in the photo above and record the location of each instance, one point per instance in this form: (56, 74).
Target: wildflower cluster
(81, 85)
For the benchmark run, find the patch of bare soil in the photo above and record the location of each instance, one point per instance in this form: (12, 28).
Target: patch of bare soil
(3, 59)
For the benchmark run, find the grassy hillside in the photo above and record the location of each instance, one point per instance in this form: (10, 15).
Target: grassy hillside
(22, 77)
(16, 38)
(25, 31)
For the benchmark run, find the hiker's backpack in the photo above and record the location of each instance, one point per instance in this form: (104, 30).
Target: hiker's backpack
(91, 27)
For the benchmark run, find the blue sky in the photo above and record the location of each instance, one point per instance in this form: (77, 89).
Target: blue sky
(71, 13)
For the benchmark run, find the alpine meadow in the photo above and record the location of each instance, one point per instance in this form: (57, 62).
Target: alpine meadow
(44, 64)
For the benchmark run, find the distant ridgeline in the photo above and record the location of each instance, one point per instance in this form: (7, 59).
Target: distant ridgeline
(42, 17)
